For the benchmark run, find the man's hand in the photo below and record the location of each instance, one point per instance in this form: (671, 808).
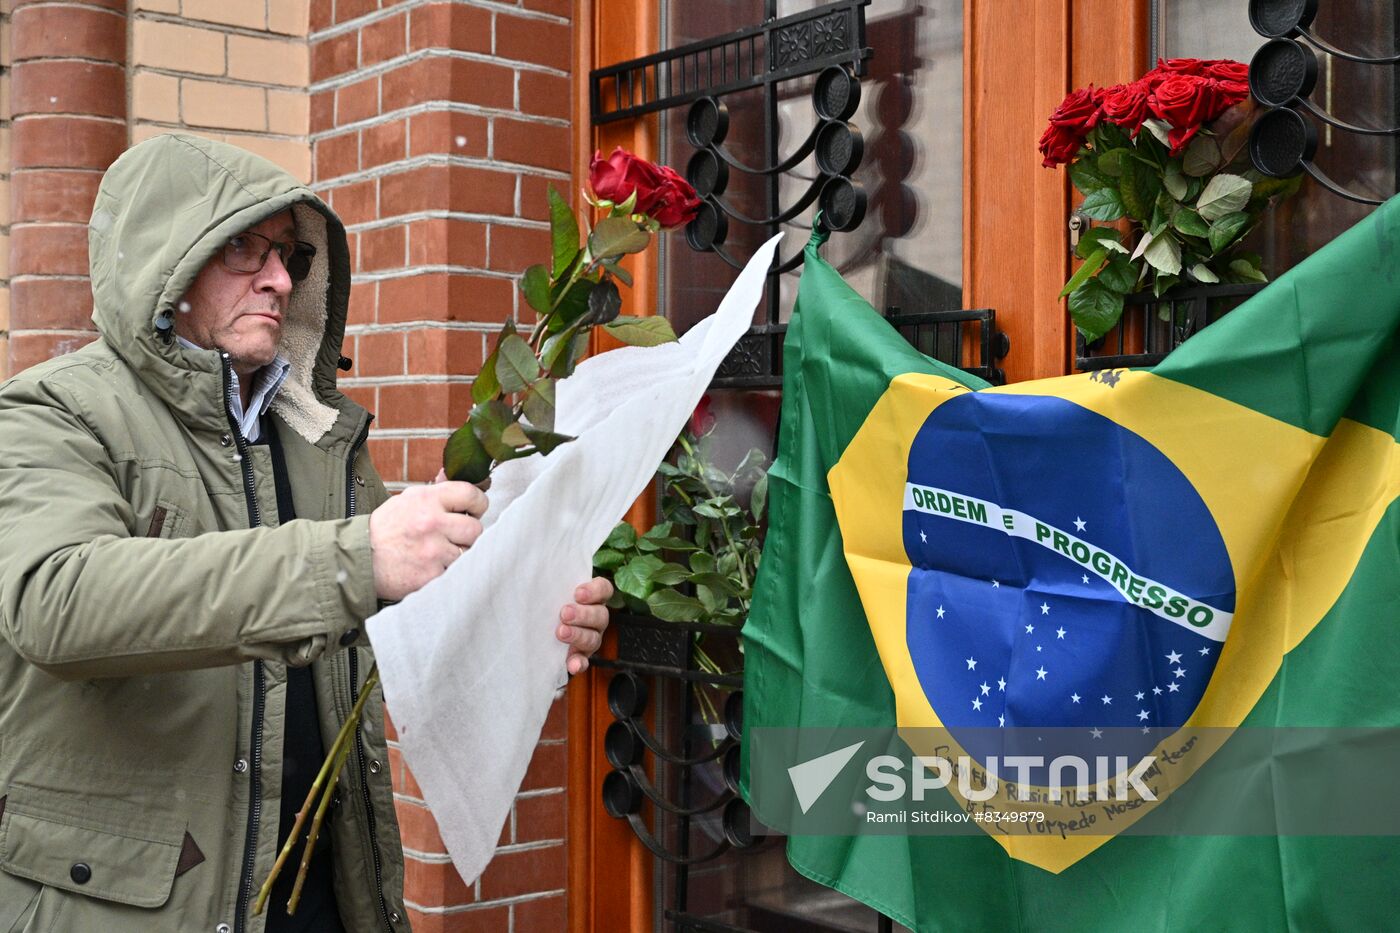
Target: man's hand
(417, 534)
(583, 622)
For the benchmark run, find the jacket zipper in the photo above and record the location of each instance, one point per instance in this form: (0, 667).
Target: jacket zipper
(354, 691)
(250, 493)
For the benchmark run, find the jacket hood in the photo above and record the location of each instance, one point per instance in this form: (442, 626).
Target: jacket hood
(163, 210)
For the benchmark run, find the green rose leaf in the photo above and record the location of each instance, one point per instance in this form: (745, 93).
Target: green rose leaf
(1223, 194)
(1119, 275)
(1164, 254)
(1175, 182)
(1227, 229)
(1190, 223)
(719, 584)
(1158, 130)
(617, 236)
(1096, 238)
(560, 353)
(670, 606)
(670, 574)
(1140, 187)
(1085, 272)
(1111, 162)
(1159, 286)
(1202, 157)
(486, 386)
(538, 404)
(622, 537)
(514, 435)
(604, 302)
(563, 230)
(464, 459)
(702, 562)
(488, 422)
(1202, 273)
(1095, 308)
(617, 271)
(1265, 188)
(1086, 177)
(535, 286)
(607, 559)
(516, 366)
(1105, 204)
(572, 305)
(545, 441)
(634, 577)
(1246, 271)
(641, 331)
(759, 498)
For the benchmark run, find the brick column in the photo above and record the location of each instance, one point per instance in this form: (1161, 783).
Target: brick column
(68, 100)
(436, 128)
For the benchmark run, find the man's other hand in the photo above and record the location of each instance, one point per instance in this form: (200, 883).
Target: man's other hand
(583, 622)
(417, 534)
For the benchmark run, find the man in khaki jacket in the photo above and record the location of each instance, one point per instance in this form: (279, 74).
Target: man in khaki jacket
(191, 537)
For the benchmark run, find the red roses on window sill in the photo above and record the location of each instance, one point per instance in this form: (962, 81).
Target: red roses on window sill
(1183, 185)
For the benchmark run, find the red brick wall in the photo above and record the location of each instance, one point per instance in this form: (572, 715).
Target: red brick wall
(436, 128)
(67, 101)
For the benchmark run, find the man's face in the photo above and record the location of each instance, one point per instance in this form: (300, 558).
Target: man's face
(241, 312)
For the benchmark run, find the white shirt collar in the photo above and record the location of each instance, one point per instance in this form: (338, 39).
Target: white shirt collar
(266, 384)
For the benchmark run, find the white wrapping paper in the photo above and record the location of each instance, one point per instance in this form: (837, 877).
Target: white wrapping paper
(470, 663)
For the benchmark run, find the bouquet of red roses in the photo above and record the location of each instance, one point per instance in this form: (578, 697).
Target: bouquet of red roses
(1183, 185)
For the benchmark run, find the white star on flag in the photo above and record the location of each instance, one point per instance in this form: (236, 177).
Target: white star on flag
(1173, 658)
(1059, 633)
(940, 612)
(923, 537)
(996, 585)
(1107, 700)
(971, 664)
(985, 688)
(1074, 698)
(1084, 577)
(1030, 629)
(1079, 523)
(1205, 651)
(1145, 730)
(1180, 672)
(1096, 733)
(1001, 683)
(1045, 609)
(1040, 672)
(1039, 648)
(1156, 691)
(1139, 695)
(1001, 720)
(1142, 714)
(1173, 688)
(976, 703)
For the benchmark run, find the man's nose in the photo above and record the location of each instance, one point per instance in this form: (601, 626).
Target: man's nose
(273, 277)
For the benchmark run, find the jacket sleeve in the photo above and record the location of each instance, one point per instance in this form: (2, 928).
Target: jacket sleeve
(82, 597)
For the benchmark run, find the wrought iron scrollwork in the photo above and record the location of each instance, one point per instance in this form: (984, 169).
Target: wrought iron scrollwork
(1282, 76)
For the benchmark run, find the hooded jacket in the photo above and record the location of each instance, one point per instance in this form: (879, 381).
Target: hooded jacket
(149, 602)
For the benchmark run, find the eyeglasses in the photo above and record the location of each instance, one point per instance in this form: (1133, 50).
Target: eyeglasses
(248, 252)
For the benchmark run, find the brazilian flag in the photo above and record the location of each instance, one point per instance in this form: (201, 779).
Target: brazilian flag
(1212, 543)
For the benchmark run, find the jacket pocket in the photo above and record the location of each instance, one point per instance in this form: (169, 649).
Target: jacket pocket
(63, 843)
(166, 521)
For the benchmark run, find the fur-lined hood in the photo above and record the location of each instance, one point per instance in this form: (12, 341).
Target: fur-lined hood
(164, 209)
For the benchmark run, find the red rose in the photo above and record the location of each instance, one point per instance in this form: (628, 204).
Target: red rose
(702, 419)
(1228, 93)
(1126, 105)
(1182, 66)
(1069, 124)
(1059, 145)
(1079, 111)
(662, 195)
(1184, 103)
(1226, 70)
